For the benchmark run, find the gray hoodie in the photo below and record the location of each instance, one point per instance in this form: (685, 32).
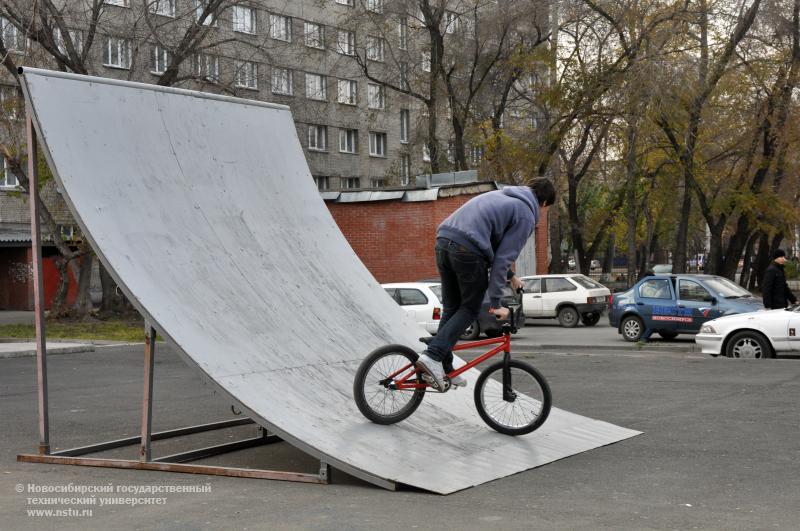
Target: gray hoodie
(496, 225)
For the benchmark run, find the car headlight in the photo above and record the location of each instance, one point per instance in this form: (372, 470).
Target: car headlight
(707, 329)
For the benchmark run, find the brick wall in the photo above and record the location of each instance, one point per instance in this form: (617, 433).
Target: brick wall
(395, 239)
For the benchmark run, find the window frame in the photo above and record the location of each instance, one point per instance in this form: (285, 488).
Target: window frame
(405, 125)
(376, 96)
(158, 55)
(242, 21)
(322, 93)
(284, 22)
(154, 6)
(350, 50)
(107, 52)
(288, 79)
(317, 131)
(349, 138)
(319, 40)
(250, 68)
(351, 91)
(378, 144)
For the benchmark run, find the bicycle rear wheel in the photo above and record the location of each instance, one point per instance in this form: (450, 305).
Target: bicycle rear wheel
(513, 402)
(373, 386)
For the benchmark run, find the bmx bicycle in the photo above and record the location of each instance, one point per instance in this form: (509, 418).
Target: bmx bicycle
(511, 396)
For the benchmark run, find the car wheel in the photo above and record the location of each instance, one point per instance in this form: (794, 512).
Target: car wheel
(472, 331)
(668, 335)
(632, 328)
(568, 317)
(749, 345)
(590, 319)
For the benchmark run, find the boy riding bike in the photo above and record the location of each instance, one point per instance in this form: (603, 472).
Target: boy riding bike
(486, 233)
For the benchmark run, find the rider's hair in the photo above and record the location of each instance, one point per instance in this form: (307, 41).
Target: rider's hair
(544, 191)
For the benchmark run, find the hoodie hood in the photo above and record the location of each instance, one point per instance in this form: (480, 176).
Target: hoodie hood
(524, 194)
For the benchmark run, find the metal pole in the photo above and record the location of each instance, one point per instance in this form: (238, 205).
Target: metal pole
(38, 287)
(145, 450)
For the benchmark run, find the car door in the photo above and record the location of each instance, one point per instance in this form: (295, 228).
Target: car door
(655, 302)
(532, 297)
(415, 303)
(555, 291)
(696, 305)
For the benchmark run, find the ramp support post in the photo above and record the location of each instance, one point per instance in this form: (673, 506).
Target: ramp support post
(145, 448)
(38, 286)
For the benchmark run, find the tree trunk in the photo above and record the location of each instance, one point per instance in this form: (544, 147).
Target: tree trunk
(83, 302)
(110, 302)
(59, 306)
(744, 280)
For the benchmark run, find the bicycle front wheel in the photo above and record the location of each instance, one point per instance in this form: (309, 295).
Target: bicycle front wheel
(515, 401)
(374, 388)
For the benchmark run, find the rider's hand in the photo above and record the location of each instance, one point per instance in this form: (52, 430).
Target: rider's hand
(500, 313)
(516, 283)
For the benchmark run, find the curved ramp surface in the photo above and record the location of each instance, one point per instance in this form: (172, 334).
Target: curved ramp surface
(203, 209)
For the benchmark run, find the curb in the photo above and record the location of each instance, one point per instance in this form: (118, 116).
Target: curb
(626, 347)
(51, 350)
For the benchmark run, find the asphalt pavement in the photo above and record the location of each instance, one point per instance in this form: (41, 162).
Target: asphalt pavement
(718, 451)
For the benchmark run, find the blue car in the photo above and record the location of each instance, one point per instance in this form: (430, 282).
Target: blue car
(676, 304)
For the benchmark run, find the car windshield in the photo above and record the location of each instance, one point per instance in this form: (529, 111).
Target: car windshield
(586, 282)
(437, 290)
(722, 287)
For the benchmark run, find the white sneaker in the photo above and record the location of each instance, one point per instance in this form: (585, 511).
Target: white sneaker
(433, 369)
(458, 381)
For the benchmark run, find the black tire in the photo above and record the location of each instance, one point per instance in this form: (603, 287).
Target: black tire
(526, 382)
(472, 331)
(632, 328)
(371, 392)
(568, 317)
(590, 319)
(668, 335)
(747, 344)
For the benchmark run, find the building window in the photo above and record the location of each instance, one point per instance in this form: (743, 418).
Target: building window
(314, 35)
(282, 81)
(375, 6)
(351, 182)
(244, 19)
(377, 182)
(404, 76)
(76, 36)
(402, 30)
(280, 28)
(210, 19)
(206, 66)
(375, 96)
(375, 48)
(317, 137)
(346, 91)
(247, 74)
(346, 42)
(426, 61)
(117, 52)
(348, 140)
(405, 170)
(120, 3)
(377, 144)
(7, 178)
(9, 102)
(426, 153)
(316, 87)
(405, 125)
(160, 59)
(476, 154)
(450, 22)
(161, 7)
(323, 183)
(350, 3)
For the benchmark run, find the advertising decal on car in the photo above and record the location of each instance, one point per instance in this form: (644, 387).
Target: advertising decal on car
(670, 313)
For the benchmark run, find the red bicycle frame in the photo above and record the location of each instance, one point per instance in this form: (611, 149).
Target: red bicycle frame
(503, 345)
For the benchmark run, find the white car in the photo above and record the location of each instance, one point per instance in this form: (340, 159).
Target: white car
(420, 300)
(752, 335)
(572, 298)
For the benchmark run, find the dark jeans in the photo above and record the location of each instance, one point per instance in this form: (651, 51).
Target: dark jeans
(465, 277)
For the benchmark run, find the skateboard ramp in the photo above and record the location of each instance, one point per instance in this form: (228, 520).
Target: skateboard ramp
(203, 209)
